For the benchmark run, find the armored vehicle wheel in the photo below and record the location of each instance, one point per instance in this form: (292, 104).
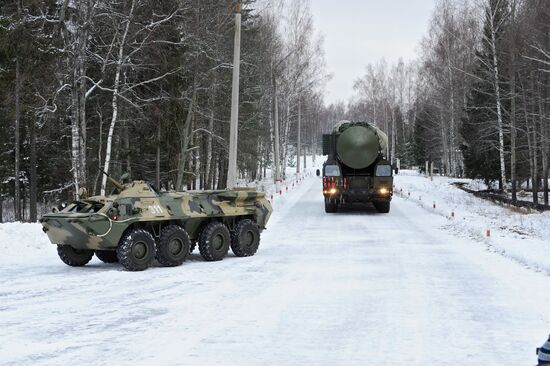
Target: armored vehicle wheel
(214, 241)
(330, 206)
(106, 256)
(74, 257)
(136, 250)
(173, 246)
(382, 207)
(245, 238)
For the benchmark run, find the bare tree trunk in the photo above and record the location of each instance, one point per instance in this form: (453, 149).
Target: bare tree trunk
(531, 146)
(82, 46)
(298, 147)
(496, 83)
(1, 204)
(544, 155)
(393, 135)
(33, 178)
(195, 160)
(75, 132)
(126, 146)
(276, 155)
(513, 133)
(536, 182)
(545, 151)
(452, 144)
(17, 142)
(185, 137)
(215, 170)
(208, 163)
(157, 166)
(114, 101)
(386, 127)
(285, 139)
(445, 146)
(305, 158)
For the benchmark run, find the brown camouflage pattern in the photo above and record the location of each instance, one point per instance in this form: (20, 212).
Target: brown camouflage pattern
(82, 226)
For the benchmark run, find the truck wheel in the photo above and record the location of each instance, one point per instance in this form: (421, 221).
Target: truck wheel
(136, 250)
(173, 246)
(74, 257)
(106, 256)
(330, 207)
(382, 207)
(214, 241)
(245, 238)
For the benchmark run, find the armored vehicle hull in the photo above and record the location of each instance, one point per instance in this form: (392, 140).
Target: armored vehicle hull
(138, 224)
(356, 169)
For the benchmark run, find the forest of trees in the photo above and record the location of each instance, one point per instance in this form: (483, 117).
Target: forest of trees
(476, 102)
(144, 87)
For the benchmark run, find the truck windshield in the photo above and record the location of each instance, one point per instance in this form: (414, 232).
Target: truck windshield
(332, 171)
(383, 171)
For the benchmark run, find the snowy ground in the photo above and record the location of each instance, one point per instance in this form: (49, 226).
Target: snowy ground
(352, 288)
(519, 234)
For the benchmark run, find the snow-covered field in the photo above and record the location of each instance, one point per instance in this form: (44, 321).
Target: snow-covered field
(354, 288)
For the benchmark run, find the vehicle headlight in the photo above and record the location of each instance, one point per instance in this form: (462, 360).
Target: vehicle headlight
(383, 191)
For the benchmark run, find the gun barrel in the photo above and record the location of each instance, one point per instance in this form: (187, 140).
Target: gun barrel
(116, 183)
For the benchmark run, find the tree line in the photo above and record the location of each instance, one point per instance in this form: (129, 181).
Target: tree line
(476, 102)
(144, 87)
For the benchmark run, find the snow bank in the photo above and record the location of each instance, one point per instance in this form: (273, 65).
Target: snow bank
(17, 237)
(515, 233)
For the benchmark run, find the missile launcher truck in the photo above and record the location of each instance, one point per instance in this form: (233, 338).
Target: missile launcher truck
(357, 169)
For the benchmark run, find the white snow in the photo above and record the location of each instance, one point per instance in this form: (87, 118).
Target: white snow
(17, 238)
(519, 234)
(354, 288)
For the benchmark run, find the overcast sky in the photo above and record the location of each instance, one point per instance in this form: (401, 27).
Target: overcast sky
(359, 32)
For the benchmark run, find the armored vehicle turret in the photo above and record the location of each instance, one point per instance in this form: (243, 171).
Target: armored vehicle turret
(137, 224)
(357, 167)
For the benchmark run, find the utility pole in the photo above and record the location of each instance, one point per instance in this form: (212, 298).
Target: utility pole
(233, 130)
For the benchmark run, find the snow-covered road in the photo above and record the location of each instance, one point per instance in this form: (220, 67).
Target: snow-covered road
(352, 288)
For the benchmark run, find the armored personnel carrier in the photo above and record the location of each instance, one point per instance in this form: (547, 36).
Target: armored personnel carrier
(137, 224)
(357, 167)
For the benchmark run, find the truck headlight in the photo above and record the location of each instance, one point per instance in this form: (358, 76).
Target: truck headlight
(383, 191)
(333, 191)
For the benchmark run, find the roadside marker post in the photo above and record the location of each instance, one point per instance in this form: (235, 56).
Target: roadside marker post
(488, 232)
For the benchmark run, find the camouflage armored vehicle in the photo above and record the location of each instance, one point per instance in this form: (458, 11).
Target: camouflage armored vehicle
(357, 169)
(137, 224)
